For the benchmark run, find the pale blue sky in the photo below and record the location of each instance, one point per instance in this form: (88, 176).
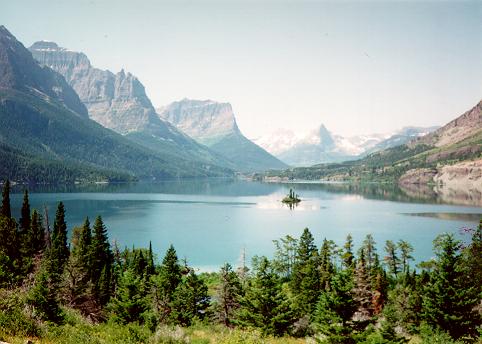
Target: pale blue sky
(358, 67)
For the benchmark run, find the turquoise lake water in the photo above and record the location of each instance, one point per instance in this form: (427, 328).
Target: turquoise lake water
(211, 221)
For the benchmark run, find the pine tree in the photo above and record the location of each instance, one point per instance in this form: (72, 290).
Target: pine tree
(166, 283)
(24, 221)
(391, 259)
(77, 272)
(43, 296)
(102, 260)
(305, 282)
(335, 309)
(228, 294)
(285, 255)
(406, 250)
(450, 298)
(265, 305)
(10, 255)
(151, 269)
(5, 210)
(36, 234)
(326, 266)
(370, 250)
(190, 300)
(130, 301)
(347, 256)
(59, 251)
(362, 292)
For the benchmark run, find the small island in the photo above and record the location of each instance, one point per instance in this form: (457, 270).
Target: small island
(292, 198)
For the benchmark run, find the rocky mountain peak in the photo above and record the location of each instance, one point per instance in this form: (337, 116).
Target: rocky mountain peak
(204, 120)
(18, 70)
(117, 101)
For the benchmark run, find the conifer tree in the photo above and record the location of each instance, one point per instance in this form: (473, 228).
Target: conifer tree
(450, 298)
(5, 210)
(190, 300)
(166, 283)
(130, 301)
(265, 305)
(285, 255)
(391, 259)
(305, 282)
(36, 234)
(43, 296)
(335, 308)
(406, 250)
(24, 221)
(102, 260)
(10, 256)
(228, 294)
(370, 250)
(59, 251)
(347, 255)
(362, 292)
(326, 266)
(151, 269)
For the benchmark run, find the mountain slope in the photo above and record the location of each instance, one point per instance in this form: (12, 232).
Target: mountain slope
(214, 124)
(38, 119)
(421, 160)
(119, 102)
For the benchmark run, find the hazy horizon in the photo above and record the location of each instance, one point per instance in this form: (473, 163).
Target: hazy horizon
(358, 68)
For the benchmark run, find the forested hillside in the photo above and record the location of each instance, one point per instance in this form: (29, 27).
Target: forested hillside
(89, 290)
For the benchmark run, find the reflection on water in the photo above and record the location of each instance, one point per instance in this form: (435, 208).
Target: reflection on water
(450, 216)
(232, 187)
(211, 221)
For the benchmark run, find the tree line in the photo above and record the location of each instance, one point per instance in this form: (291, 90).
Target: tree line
(335, 294)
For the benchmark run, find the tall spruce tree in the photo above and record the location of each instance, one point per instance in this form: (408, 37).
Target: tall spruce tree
(24, 221)
(166, 283)
(190, 300)
(391, 259)
(305, 282)
(450, 297)
(335, 309)
(227, 296)
(406, 250)
(362, 292)
(5, 210)
(102, 260)
(59, 251)
(348, 258)
(35, 237)
(265, 305)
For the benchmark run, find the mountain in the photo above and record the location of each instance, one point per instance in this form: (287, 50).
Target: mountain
(119, 102)
(450, 156)
(46, 135)
(214, 124)
(322, 146)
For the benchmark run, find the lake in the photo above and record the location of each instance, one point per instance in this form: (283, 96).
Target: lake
(212, 221)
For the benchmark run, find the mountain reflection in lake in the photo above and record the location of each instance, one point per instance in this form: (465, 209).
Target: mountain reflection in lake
(211, 221)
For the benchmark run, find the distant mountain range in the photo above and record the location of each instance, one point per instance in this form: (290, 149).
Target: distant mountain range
(47, 136)
(214, 125)
(322, 146)
(450, 156)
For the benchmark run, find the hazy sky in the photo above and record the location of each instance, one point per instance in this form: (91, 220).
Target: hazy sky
(357, 67)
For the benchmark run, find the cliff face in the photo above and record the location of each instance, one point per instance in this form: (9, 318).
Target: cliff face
(117, 101)
(214, 124)
(204, 120)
